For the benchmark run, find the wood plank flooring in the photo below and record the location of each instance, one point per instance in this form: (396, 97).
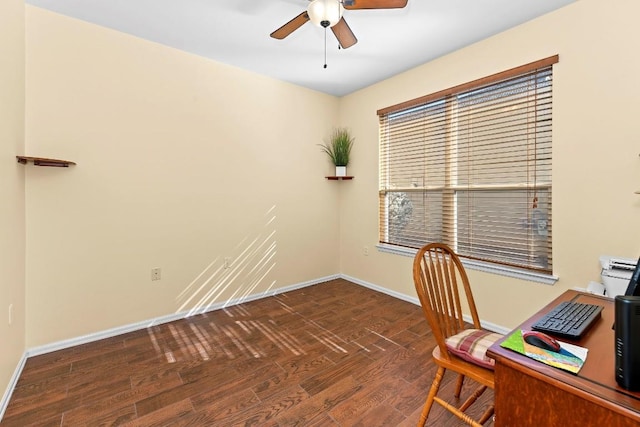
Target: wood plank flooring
(332, 354)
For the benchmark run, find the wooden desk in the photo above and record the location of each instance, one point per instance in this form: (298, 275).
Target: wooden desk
(530, 393)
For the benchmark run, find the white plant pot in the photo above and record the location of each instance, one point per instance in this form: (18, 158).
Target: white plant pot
(341, 171)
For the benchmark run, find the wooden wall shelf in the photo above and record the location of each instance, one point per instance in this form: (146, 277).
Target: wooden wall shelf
(42, 161)
(340, 178)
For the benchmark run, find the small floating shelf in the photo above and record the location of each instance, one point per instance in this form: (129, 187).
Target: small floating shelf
(42, 161)
(338, 178)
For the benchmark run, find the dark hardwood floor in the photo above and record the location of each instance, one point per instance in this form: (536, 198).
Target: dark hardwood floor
(333, 354)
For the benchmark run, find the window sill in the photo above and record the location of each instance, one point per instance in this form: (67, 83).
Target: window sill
(483, 266)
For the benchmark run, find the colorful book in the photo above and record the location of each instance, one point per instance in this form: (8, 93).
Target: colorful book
(569, 358)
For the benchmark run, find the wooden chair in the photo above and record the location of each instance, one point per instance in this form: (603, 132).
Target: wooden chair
(440, 280)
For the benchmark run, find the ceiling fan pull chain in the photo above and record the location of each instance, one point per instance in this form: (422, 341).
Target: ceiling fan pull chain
(325, 47)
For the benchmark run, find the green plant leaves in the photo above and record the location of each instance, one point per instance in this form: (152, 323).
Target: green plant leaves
(339, 147)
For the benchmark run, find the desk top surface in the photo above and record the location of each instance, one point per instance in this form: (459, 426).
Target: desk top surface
(596, 380)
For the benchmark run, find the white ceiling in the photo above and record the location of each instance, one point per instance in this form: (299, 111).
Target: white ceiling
(237, 32)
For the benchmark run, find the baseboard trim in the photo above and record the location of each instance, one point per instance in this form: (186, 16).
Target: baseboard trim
(403, 297)
(12, 385)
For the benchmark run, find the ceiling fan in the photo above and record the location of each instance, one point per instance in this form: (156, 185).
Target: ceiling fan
(328, 13)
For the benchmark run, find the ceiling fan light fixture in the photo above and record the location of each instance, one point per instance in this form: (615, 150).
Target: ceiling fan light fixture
(322, 12)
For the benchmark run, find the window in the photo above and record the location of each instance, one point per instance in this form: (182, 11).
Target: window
(470, 166)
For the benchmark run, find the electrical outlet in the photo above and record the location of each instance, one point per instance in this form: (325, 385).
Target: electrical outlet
(155, 274)
(227, 262)
(10, 314)
(365, 250)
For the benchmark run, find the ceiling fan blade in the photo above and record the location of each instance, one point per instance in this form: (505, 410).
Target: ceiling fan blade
(290, 26)
(343, 33)
(375, 4)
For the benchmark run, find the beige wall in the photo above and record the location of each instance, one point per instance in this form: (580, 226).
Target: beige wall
(12, 222)
(596, 141)
(181, 162)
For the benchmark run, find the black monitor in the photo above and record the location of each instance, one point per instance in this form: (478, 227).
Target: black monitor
(627, 326)
(633, 289)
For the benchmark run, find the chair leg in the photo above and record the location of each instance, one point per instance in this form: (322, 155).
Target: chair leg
(432, 394)
(459, 385)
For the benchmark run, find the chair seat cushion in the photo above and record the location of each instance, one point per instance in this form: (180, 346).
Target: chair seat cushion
(472, 344)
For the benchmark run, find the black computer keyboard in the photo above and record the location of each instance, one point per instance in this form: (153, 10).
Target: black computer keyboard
(569, 319)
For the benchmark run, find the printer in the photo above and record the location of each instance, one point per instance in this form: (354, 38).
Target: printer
(616, 273)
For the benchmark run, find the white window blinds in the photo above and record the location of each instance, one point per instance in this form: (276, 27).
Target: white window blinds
(470, 166)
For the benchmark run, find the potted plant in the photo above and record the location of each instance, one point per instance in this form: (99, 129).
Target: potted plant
(338, 149)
